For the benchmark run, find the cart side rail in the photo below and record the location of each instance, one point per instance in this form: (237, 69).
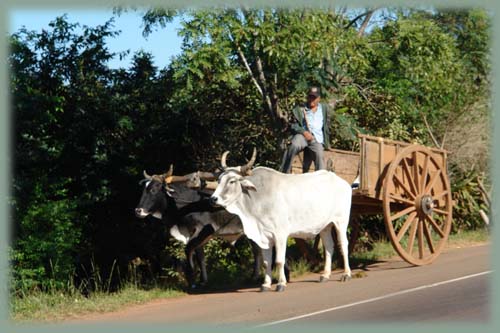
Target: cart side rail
(345, 163)
(376, 154)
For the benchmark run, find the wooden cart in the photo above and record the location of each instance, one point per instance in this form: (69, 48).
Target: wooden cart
(406, 182)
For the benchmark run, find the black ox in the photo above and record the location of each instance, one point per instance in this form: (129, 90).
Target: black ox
(190, 217)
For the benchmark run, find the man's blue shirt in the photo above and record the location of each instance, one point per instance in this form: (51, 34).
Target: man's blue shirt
(315, 122)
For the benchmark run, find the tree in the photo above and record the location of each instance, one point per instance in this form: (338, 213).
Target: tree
(58, 76)
(83, 135)
(280, 51)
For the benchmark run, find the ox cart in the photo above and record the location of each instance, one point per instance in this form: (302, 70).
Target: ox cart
(408, 184)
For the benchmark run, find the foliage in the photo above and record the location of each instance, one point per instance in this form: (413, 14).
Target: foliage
(46, 238)
(79, 132)
(229, 265)
(468, 202)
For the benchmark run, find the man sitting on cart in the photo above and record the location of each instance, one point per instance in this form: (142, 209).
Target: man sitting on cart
(311, 133)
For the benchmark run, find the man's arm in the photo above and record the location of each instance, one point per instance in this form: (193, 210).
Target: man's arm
(296, 126)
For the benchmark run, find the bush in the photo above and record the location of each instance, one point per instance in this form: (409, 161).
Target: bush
(468, 202)
(45, 239)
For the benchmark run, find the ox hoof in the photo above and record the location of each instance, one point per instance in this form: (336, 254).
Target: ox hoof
(264, 288)
(345, 277)
(280, 288)
(323, 279)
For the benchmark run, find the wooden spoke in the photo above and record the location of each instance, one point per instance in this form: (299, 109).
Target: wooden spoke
(420, 240)
(403, 185)
(439, 195)
(405, 226)
(433, 180)
(440, 211)
(406, 169)
(415, 172)
(428, 237)
(403, 200)
(403, 213)
(411, 238)
(435, 226)
(425, 172)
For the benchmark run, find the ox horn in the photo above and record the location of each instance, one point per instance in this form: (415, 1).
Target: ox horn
(207, 175)
(167, 176)
(148, 177)
(245, 169)
(170, 171)
(223, 160)
(176, 179)
(211, 185)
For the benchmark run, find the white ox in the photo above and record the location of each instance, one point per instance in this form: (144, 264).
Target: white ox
(273, 206)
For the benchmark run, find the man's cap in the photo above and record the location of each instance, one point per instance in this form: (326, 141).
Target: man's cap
(314, 91)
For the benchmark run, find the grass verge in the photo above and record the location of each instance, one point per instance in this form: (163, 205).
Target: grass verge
(384, 250)
(55, 307)
(469, 238)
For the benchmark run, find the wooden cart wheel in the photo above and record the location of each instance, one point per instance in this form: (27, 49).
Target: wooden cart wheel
(417, 204)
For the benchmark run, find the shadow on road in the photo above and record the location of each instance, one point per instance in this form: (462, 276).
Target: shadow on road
(359, 267)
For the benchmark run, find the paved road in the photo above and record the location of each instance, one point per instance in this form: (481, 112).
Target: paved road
(454, 288)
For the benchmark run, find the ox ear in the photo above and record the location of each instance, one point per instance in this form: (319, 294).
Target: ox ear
(247, 185)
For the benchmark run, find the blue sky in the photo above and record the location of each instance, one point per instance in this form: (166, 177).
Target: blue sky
(162, 44)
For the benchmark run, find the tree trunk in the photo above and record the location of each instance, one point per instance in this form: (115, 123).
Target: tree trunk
(368, 16)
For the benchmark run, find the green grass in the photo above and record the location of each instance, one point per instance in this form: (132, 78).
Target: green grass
(383, 249)
(299, 267)
(380, 250)
(54, 307)
(469, 238)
